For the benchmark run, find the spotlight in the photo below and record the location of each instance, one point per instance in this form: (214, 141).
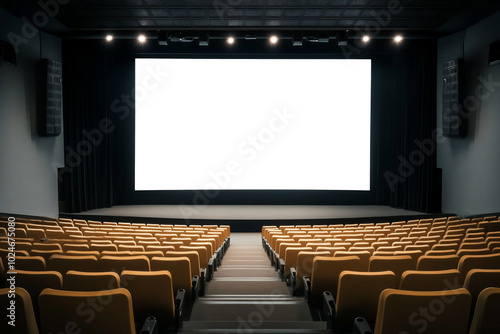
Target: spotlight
(297, 39)
(342, 37)
(273, 39)
(109, 38)
(162, 37)
(398, 39)
(141, 38)
(230, 40)
(365, 39)
(203, 39)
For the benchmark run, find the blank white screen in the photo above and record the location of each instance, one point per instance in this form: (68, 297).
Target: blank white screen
(280, 124)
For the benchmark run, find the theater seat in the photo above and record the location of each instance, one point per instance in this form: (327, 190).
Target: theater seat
(64, 263)
(180, 269)
(468, 262)
(25, 321)
(107, 311)
(35, 281)
(435, 280)
(91, 281)
(485, 319)
(325, 275)
(32, 263)
(479, 279)
(304, 268)
(396, 263)
(402, 311)
(153, 295)
(357, 296)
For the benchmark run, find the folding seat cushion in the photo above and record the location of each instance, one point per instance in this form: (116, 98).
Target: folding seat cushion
(106, 311)
(25, 321)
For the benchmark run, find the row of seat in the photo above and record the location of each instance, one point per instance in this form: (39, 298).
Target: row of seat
(94, 303)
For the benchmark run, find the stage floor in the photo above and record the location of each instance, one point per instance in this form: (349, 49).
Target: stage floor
(252, 212)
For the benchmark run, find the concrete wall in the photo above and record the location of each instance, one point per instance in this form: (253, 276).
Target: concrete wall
(28, 163)
(471, 165)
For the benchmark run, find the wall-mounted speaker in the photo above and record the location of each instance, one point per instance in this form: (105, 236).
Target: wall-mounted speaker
(49, 98)
(454, 122)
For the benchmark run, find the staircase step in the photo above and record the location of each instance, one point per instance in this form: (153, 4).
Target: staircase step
(255, 326)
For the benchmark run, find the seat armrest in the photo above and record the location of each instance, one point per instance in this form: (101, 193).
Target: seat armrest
(292, 280)
(329, 309)
(203, 278)
(307, 287)
(361, 326)
(179, 307)
(281, 269)
(210, 269)
(195, 286)
(150, 326)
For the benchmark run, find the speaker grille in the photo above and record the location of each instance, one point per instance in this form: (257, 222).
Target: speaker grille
(50, 98)
(454, 123)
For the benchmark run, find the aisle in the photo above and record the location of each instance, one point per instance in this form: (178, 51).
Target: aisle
(246, 295)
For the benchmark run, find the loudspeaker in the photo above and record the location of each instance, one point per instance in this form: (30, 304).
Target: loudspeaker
(454, 122)
(49, 98)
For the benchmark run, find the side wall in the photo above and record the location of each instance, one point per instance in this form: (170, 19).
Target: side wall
(471, 165)
(28, 163)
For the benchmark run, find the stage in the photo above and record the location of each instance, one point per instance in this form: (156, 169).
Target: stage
(249, 218)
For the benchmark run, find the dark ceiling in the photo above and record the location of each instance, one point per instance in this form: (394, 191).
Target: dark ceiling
(427, 18)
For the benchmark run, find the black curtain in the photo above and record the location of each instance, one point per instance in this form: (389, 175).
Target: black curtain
(404, 107)
(88, 129)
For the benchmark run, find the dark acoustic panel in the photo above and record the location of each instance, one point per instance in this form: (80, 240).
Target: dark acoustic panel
(454, 121)
(49, 98)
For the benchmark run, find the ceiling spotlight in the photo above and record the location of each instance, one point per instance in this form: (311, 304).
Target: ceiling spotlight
(342, 37)
(109, 38)
(273, 39)
(398, 38)
(141, 38)
(230, 40)
(365, 39)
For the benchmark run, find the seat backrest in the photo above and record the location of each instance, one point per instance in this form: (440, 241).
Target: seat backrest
(325, 274)
(32, 263)
(305, 265)
(202, 252)
(479, 279)
(91, 281)
(103, 247)
(291, 255)
(485, 318)
(395, 263)
(435, 280)
(468, 262)
(64, 263)
(152, 295)
(35, 281)
(46, 254)
(437, 262)
(194, 259)
(179, 268)
(400, 311)
(120, 263)
(107, 311)
(358, 294)
(22, 312)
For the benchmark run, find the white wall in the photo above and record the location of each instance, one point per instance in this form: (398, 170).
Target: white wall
(471, 165)
(28, 179)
